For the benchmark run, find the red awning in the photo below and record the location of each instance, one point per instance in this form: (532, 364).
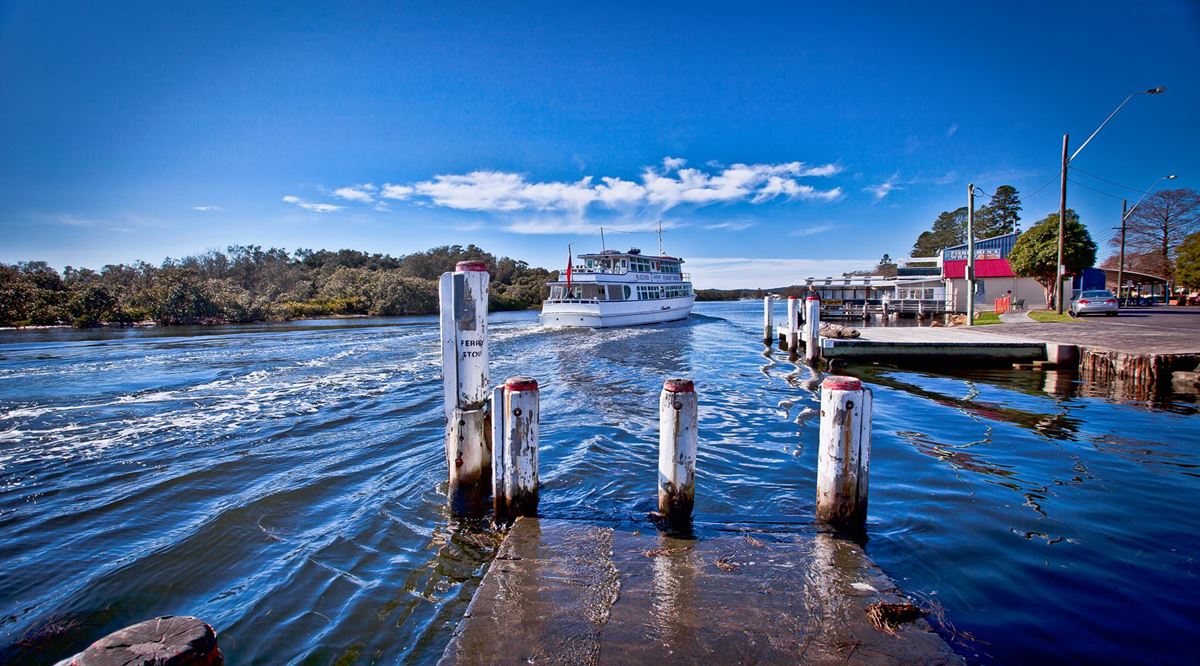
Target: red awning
(984, 268)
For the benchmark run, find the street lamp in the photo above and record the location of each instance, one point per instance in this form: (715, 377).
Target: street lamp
(1125, 216)
(1062, 199)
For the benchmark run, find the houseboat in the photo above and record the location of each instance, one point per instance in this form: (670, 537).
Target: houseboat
(619, 289)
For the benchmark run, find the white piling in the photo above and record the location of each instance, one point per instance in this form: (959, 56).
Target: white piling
(844, 457)
(812, 327)
(677, 439)
(768, 324)
(463, 297)
(792, 342)
(515, 412)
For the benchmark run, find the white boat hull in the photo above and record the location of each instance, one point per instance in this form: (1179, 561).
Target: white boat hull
(606, 314)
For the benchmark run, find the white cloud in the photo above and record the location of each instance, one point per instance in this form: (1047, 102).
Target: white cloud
(952, 130)
(653, 192)
(364, 193)
(208, 209)
(813, 230)
(751, 273)
(730, 226)
(391, 191)
(673, 163)
(308, 205)
(885, 188)
(561, 225)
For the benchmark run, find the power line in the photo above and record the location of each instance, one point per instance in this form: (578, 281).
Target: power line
(1107, 194)
(1105, 180)
(1052, 179)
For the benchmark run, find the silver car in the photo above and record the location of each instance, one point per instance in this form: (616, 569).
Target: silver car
(1094, 302)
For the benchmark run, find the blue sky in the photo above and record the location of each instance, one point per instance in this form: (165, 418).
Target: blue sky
(774, 141)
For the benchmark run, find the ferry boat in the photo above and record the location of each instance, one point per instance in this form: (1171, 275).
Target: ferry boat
(619, 289)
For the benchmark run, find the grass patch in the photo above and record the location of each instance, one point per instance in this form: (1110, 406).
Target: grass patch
(985, 318)
(1050, 316)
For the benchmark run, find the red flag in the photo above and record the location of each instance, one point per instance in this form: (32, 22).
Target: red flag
(569, 261)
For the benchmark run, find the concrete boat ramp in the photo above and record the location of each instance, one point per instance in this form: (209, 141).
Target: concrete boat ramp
(562, 592)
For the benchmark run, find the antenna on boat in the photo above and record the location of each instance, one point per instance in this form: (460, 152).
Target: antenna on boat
(603, 247)
(660, 246)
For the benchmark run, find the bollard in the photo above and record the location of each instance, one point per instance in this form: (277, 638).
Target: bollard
(812, 327)
(793, 335)
(677, 449)
(768, 327)
(171, 639)
(463, 297)
(515, 412)
(844, 458)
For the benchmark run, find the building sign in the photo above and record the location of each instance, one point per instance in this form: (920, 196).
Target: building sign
(960, 254)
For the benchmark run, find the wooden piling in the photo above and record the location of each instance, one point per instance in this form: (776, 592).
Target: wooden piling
(463, 297)
(170, 639)
(793, 333)
(844, 457)
(768, 325)
(677, 440)
(515, 411)
(812, 327)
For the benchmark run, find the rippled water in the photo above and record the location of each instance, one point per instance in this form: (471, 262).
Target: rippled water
(284, 482)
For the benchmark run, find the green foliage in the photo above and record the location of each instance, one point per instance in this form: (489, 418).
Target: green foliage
(949, 229)
(1187, 262)
(1035, 254)
(1000, 215)
(249, 283)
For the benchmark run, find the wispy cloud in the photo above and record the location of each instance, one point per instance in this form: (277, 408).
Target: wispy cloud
(730, 226)
(567, 225)
(894, 183)
(308, 205)
(813, 230)
(656, 190)
(951, 130)
(885, 188)
(75, 220)
(208, 209)
(364, 193)
(751, 273)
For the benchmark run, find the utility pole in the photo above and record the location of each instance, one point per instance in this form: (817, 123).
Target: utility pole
(1060, 270)
(1121, 267)
(971, 254)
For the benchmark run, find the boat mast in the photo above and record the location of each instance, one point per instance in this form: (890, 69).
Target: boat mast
(660, 245)
(603, 247)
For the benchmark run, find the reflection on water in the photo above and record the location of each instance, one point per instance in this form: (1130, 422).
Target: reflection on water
(285, 482)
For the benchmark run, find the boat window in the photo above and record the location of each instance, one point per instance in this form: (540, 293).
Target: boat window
(628, 292)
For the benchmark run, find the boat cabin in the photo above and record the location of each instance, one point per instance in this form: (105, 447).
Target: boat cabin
(622, 276)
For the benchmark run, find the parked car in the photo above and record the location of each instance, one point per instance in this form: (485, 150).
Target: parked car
(1094, 301)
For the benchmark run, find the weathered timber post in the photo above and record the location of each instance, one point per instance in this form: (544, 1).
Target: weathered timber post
(792, 343)
(677, 449)
(844, 458)
(514, 413)
(768, 325)
(463, 298)
(171, 639)
(812, 327)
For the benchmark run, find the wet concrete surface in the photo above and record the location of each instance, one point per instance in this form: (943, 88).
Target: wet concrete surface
(562, 592)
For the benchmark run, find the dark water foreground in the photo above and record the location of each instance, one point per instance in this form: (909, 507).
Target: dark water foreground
(284, 483)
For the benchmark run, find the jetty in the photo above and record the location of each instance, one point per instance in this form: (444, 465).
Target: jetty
(567, 592)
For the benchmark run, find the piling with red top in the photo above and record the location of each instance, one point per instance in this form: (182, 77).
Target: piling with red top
(768, 325)
(792, 340)
(812, 327)
(677, 444)
(844, 456)
(515, 412)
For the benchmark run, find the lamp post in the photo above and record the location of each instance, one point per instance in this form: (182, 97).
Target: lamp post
(1062, 199)
(1125, 213)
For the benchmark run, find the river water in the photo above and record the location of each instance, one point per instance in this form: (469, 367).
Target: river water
(285, 483)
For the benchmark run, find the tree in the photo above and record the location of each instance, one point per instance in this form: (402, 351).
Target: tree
(1158, 225)
(949, 229)
(1187, 262)
(1035, 254)
(886, 266)
(1000, 215)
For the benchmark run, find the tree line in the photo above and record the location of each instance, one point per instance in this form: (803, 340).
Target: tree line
(249, 283)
